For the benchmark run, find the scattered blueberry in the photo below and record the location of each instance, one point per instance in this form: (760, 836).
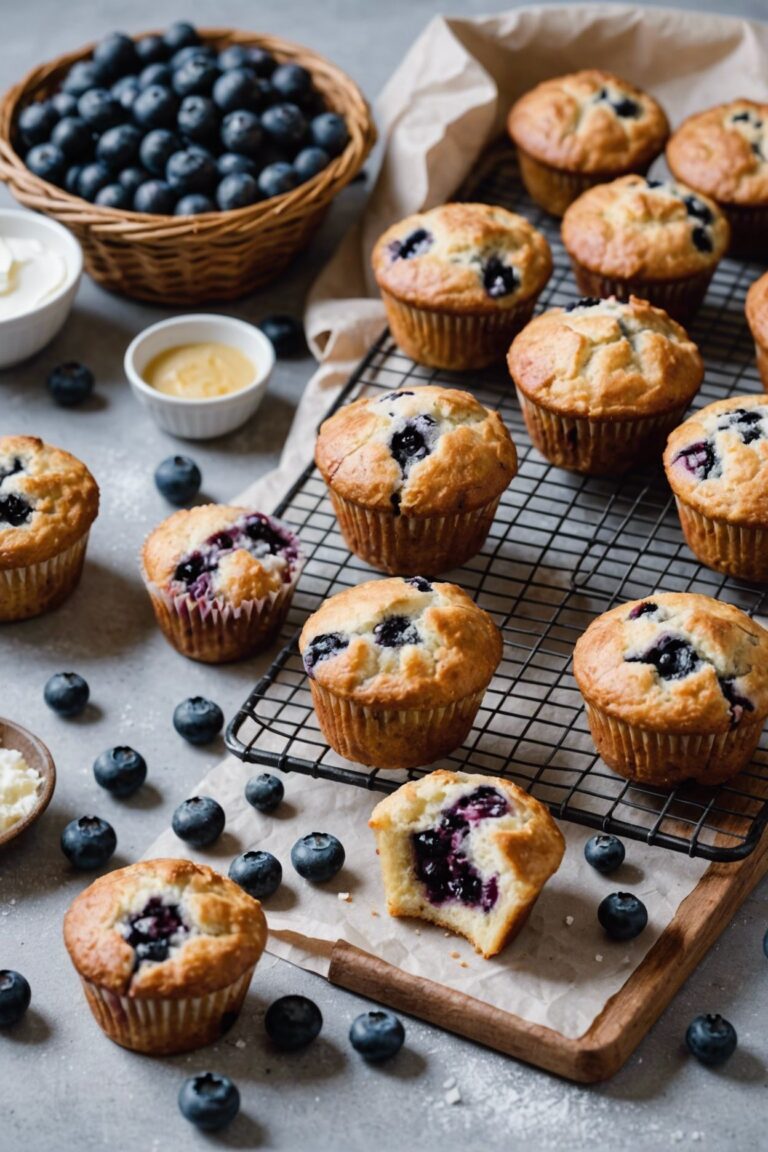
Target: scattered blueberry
(291, 81)
(198, 720)
(318, 857)
(70, 384)
(277, 179)
(285, 124)
(199, 821)
(156, 149)
(74, 137)
(711, 1039)
(377, 1035)
(36, 122)
(191, 171)
(120, 771)
(88, 843)
(194, 205)
(264, 792)
(258, 873)
(154, 196)
(285, 333)
(178, 478)
(329, 131)
(15, 995)
(116, 54)
(93, 177)
(622, 915)
(119, 147)
(604, 853)
(155, 107)
(309, 162)
(66, 693)
(198, 120)
(180, 35)
(47, 161)
(293, 1022)
(209, 1101)
(99, 109)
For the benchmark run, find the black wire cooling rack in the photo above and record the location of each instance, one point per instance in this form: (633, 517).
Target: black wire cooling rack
(563, 549)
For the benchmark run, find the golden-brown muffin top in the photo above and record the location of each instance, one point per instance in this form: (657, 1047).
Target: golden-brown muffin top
(167, 928)
(422, 451)
(221, 552)
(401, 643)
(675, 662)
(723, 152)
(606, 359)
(48, 500)
(462, 258)
(757, 308)
(648, 229)
(589, 121)
(717, 461)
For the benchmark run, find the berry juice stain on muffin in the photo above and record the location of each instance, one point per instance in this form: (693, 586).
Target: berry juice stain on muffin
(258, 535)
(155, 930)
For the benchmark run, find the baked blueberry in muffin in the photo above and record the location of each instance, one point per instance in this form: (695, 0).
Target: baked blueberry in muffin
(470, 853)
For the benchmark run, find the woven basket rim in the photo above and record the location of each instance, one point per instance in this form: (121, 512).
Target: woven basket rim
(49, 198)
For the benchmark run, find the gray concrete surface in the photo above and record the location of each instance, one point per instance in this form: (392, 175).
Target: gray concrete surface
(61, 1085)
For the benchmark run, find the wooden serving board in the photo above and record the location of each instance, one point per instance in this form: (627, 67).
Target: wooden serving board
(602, 1050)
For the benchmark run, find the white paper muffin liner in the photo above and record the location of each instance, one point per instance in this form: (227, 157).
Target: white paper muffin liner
(737, 549)
(36, 588)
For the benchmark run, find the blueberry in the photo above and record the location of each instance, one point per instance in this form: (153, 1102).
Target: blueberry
(238, 88)
(377, 1035)
(309, 162)
(702, 239)
(235, 56)
(647, 608)
(237, 190)
(198, 119)
(189, 171)
(66, 693)
(64, 104)
(318, 857)
(323, 647)
(151, 50)
(14, 510)
(627, 108)
(258, 873)
(155, 107)
(604, 853)
(114, 196)
(120, 771)
(82, 76)
(192, 52)
(622, 915)
(156, 197)
(747, 423)
(412, 442)
(698, 209)
(199, 821)
(72, 178)
(264, 792)
(132, 178)
(47, 161)
(737, 703)
(100, 110)
(293, 1022)
(88, 843)
(765, 944)
(195, 78)
(700, 459)
(285, 124)
(156, 149)
(93, 177)
(711, 1039)
(15, 995)
(36, 122)
(178, 478)
(277, 179)
(180, 35)
(416, 243)
(396, 631)
(157, 73)
(672, 657)
(262, 62)
(285, 332)
(329, 131)
(499, 279)
(241, 131)
(74, 137)
(230, 162)
(116, 54)
(291, 81)
(194, 205)
(583, 302)
(125, 92)
(198, 720)
(209, 1101)
(119, 147)
(419, 583)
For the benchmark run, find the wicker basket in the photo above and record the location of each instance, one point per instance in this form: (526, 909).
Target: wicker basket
(189, 259)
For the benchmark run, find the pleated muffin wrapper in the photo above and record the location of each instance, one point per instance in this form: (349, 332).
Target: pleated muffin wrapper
(554, 189)
(749, 230)
(681, 298)
(739, 550)
(403, 545)
(456, 340)
(164, 1026)
(596, 447)
(393, 737)
(36, 588)
(665, 759)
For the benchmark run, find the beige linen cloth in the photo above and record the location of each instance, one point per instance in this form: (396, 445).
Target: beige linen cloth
(443, 105)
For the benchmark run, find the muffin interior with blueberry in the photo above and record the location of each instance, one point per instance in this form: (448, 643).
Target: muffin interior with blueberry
(165, 950)
(467, 852)
(398, 668)
(221, 579)
(459, 280)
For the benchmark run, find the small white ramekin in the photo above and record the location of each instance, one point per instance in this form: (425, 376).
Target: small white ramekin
(23, 335)
(216, 415)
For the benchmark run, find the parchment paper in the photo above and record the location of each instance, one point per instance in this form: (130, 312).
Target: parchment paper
(438, 112)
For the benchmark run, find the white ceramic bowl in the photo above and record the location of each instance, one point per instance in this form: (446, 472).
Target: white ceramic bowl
(215, 415)
(23, 335)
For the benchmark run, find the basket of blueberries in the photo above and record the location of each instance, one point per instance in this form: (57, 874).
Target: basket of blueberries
(191, 165)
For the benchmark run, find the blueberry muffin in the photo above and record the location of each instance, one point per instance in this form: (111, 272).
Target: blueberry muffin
(723, 153)
(676, 688)
(575, 131)
(650, 238)
(757, 318)
(717, 466)
(398, 668)
(221, 580)
(602, 382)
(415, 476)
(48, 501)
(165, 950)
(459, 281)
(469, 853)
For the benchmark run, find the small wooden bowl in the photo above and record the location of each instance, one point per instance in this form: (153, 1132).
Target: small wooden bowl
(38, 757)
